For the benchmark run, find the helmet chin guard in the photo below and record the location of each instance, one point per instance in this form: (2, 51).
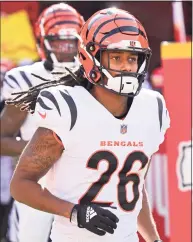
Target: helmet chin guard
(123, 84)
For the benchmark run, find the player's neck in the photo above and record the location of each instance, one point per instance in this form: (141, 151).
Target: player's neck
(114, 103)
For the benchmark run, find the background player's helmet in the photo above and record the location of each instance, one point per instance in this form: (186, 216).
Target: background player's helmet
(114, 29)
(56, 31)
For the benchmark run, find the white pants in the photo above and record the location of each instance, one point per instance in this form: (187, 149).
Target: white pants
(71, 233)
(132, 238)
(33, 225)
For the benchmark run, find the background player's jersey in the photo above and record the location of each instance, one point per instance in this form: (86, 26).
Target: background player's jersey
(20, 79)
(27, 224)
(105, 159)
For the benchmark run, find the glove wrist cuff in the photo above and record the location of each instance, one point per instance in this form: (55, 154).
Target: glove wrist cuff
(74, 215)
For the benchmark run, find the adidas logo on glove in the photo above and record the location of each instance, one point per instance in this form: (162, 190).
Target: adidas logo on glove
(94, 218)
(90, 213)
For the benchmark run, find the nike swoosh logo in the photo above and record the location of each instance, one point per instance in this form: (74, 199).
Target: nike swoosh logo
(42, 115)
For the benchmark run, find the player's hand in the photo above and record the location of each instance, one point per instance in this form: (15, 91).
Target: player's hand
(94, 218)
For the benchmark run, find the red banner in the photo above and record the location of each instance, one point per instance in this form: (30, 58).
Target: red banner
(177, 91)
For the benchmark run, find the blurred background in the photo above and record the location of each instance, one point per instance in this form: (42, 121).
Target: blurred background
(169, 29)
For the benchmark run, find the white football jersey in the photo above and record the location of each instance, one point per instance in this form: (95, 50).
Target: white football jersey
(20, 79)
(105, 158)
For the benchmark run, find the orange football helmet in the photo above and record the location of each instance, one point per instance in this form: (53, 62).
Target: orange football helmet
(56, 31)
(114, 29)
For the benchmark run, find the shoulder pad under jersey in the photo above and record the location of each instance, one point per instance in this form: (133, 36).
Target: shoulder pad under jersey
(56, 109)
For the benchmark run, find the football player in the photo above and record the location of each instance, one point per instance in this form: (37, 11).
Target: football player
(55, 31)
(107, 129)
(5, 164)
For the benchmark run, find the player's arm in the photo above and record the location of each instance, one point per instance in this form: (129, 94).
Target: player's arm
(11, 121)
(146, 223)
(37, 158)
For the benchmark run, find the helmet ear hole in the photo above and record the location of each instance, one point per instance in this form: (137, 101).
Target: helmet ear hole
(90, 47)
(93, 75)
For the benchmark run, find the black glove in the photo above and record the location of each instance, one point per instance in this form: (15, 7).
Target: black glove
(158, 240)
(94, 218)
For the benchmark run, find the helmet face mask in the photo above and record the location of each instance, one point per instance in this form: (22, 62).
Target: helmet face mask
(117, 80)
(64, 49)
(122, 33)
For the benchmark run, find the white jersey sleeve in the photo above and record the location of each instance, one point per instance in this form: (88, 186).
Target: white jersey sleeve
(164, 118)
(56, 110)
(16, 80)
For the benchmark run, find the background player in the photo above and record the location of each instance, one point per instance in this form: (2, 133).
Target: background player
(6, 164)
(55, 32)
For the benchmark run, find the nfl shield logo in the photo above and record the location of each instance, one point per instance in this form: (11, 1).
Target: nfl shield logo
(132, 43)
(123, 129)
